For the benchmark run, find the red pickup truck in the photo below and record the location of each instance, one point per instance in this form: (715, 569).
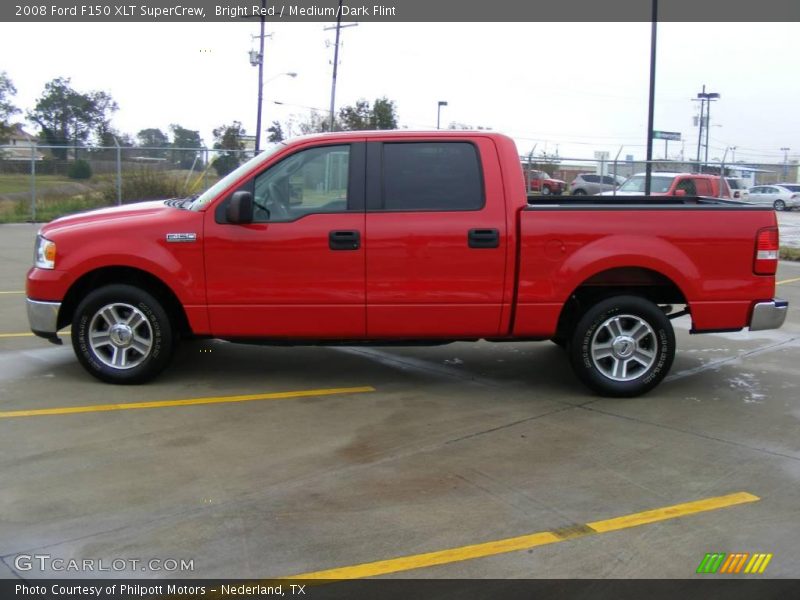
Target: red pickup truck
(541, 182)
(402, 237)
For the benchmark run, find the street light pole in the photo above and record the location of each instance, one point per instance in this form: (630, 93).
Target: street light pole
(649, 163)
(439, 112)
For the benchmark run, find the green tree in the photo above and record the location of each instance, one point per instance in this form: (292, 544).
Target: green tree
(228, 139)
(381, 115)
(109, 138)
(185, 138)
(155, 140)
(275, 132)
(7, 109)
(384, 114)
(66, 116)
(315, 122)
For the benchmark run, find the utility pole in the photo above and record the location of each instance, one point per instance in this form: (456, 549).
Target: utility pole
(785, 162)
(260, 76)
(338, 28)
(705, 98)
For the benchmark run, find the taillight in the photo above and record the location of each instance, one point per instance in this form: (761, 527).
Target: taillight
(766, 257)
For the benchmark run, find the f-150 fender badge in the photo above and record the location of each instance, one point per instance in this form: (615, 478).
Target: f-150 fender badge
(181, 237)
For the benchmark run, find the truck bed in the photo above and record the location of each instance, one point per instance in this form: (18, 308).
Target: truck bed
(702, 248)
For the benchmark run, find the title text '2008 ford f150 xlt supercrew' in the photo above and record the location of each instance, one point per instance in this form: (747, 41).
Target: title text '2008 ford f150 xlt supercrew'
(399, 237)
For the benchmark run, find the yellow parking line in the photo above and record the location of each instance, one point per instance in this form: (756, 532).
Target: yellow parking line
(787, 281)
(66, 410)
(12, 292)
(525, 542)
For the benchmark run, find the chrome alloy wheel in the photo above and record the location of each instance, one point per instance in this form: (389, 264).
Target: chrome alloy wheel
(120, 336)
(624, 347)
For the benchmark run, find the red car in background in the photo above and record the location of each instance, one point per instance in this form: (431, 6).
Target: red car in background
(539, 181)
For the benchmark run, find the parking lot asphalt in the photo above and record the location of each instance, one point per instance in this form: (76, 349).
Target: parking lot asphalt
(467, 460)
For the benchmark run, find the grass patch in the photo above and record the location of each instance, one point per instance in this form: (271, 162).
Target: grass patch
(48, 209)
(21, 182)
(788, 253)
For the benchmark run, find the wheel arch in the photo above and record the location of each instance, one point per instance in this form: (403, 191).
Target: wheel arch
(108, 275)
(633, 281)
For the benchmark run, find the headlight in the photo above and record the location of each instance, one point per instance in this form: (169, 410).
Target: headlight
(44, 254)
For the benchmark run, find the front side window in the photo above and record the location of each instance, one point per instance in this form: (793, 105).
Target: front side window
(431, 176)
(309, 181)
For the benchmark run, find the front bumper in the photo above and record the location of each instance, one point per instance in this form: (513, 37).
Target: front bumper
(769, 315)
(43, 319)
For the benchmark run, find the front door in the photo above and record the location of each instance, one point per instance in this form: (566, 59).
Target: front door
(298, 270)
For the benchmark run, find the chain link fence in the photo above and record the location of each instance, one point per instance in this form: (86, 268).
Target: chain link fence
(750, 174)
(40, 183)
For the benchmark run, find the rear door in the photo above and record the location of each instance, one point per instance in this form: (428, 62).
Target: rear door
(703, 187)
(436, 238)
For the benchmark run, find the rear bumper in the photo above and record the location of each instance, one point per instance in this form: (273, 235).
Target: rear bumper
(769, 315)
(43, 318)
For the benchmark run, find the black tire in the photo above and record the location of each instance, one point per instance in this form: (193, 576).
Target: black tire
(635, 333)
(779, 205)
(546, 190)
(133, 338)
(579, 193)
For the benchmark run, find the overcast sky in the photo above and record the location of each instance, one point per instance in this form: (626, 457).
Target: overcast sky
(575, 87)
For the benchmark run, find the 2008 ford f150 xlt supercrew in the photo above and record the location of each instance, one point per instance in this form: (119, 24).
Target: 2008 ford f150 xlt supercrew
(401, 237)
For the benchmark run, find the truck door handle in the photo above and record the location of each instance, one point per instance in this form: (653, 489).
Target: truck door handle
(344, 240)
(483, 238)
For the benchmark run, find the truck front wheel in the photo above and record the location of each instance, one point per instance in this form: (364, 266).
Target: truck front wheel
(622, 346)
(122, 334)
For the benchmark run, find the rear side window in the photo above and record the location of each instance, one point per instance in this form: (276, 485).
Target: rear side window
(703, 187)
(431, 176)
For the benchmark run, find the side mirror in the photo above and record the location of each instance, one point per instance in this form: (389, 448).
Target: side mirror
(680, 192)
(240, 208)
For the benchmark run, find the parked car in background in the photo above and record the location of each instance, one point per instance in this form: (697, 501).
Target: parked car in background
(795, 187)
(738, 188)
(673, 184)
(780, 197)
(539, 181)
(589, 184)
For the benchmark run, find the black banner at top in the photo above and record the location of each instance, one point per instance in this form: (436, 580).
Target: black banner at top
(398, 10)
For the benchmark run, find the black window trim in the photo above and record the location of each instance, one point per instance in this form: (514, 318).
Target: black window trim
(375, 197)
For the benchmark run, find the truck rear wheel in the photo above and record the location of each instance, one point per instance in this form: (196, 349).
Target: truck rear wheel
(122, 334)
(622, 346)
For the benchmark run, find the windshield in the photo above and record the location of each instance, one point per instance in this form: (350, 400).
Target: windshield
(231, 177)
(792, 188)
(658, 184)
